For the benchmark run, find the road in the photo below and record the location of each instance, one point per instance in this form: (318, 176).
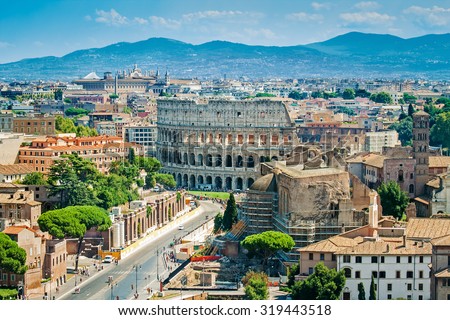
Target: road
(124, 274)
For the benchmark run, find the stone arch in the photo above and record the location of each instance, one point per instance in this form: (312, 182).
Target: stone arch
(228, 183)
(185, 180)
(179, 182)
(200, 159)
(239, 183)
(228, 161)
(218, 183)
(250, 181)
(250, 162)
(192, 184)
(185, 158)
(200, 179)
(239, 161)
(192, 159)
(218, 160)
(208, 180)
(208, 160)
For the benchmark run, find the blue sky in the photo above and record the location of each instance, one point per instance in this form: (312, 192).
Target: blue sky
(31, 28)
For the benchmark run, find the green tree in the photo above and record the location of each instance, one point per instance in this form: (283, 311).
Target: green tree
(113, 96)
(12, 257)
(264, 95)
(230, 214)
(440, 132)
(267, 243)
(322, 284)
(409, 98)
(404, 129)
(293, 271)
(71, 112)
(166, 180)
(218, 220)
(132, 156)
(348, 94)
(66, 125)
(381, 97)
(393, 200)
(255, 286)
(361, 291)
(411, 110)
(58, 94)
(373, 291)
(362, 93)
(67, 100)
(402, 116)
(295, 95)
(73, 222)
(34, 178)
(71, 178)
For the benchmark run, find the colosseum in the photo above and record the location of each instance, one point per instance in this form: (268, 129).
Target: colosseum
(219, 144)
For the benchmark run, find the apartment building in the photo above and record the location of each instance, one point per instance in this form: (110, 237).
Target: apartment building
(34, 125)
(101, 150)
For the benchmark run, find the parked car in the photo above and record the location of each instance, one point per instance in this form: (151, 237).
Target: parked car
(108, 259)
(180, 227)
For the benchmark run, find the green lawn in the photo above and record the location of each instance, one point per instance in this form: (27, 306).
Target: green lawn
(211, 194)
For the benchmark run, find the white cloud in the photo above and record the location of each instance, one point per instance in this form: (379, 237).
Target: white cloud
(163, 22)
(320, 6)
(140, 21)
(112, 18)
(211, 14)
(370, 18)
(305, 17)
(4, 45)
(434, 16)
(367, 5)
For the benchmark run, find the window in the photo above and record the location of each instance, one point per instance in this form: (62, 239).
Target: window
(374, 259)
(322, 256)
(13, 277)
(409, 274)
(420, 274)
(420, 297)
(409, 297)
(444, 282)
(421, 259)
(358, 259)
(411, 175)
(389, 296)
(347, 273)
(347, 259)
(382, 274)
(448, 297)
(375, 274)
(409, 259)
(420, 286)
(389, 287)
(311, 256)
(448, 261)
(310, 270)
(357, 274)
(398, 259)
(382, 259)
(397, 274)
(409, 286)
(333, 257)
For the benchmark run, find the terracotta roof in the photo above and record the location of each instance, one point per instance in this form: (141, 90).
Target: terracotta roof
(421, 200)
(434, 183)
(439, 161)
(332, 244)
(441, 241)
(388, 248)
(17, 229)
(10, 169)
(443, 274)
(375, 160)
(420, 113)
(426, 228)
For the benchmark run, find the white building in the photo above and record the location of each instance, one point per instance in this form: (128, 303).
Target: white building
(375, 141)
(399, 268)
(144, 134)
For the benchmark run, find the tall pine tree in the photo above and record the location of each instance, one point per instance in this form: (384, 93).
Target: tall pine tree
(230, 214)
(373, 291)
(361, 291)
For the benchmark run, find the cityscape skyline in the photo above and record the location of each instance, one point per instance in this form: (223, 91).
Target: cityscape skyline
(82, 24)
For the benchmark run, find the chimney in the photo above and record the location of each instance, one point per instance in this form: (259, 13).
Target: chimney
(404, 240)
(388, 248)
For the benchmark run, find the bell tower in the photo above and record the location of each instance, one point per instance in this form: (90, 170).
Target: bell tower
(421, 149)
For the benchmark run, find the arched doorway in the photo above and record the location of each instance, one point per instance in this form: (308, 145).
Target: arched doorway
(200, 179)
(192, 181)
(218, 160)
(228, 183)
(239, 162)
(218, 183)
(185, 180)
(250, 162)
(228, 161)
(208, 180)
(239, 184)
(209, 160)
(200, 160)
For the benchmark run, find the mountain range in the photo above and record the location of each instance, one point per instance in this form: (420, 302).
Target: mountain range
(349, 55)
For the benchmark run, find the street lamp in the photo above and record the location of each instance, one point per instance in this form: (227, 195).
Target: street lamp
(112, 284)
(136, 267)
